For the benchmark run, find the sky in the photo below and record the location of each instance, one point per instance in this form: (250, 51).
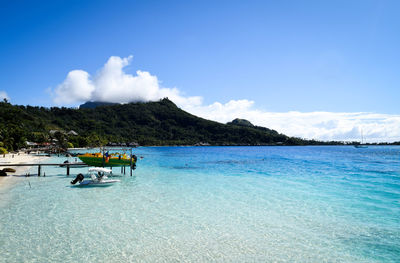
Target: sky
(326, 70)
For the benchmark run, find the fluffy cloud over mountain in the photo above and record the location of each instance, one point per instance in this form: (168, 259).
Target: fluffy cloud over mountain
(112, 84)
(3, 95)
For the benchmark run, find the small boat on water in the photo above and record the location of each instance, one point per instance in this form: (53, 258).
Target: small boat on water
(107, 160)
(97, 178)
(361, 145)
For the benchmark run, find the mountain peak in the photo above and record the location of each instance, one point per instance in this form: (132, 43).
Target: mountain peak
(95, 104)
(241, 122)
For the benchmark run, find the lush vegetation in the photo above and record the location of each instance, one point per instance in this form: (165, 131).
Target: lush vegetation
(152, 123)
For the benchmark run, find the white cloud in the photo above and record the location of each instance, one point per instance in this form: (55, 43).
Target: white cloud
(112, 84)
(311, 125)
(76, 87)
(3, 95)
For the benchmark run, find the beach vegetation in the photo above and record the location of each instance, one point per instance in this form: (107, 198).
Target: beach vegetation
(3, 150)
(151, 123)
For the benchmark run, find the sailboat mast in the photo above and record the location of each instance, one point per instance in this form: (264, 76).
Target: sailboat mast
(362, 137)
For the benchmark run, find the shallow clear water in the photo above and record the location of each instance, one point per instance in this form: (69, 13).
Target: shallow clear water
(230, 204)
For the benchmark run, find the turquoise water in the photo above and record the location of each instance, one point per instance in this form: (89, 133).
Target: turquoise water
(224, 204)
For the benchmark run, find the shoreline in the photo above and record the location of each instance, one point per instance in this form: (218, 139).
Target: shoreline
(18, 158)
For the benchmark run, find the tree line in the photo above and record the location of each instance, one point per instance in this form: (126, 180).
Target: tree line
(151, 123)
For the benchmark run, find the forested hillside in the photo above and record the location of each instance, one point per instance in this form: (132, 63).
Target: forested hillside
(152, 123)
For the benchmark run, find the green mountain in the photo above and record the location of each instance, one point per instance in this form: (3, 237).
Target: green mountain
(152, 123)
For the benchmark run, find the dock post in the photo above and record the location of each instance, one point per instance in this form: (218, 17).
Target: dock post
(39, 170)
(67, 170)
(130, 166)
(103, 157)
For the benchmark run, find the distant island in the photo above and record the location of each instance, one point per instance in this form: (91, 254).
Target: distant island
(147, 124)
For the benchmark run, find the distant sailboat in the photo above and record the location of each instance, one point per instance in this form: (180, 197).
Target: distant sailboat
(361, 145)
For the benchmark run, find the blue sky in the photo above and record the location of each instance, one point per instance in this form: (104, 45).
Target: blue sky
(283, 56)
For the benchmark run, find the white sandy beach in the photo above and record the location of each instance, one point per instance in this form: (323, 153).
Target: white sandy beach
(20, 158)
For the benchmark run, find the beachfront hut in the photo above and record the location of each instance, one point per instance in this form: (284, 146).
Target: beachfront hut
(32, 144)
(72, 132)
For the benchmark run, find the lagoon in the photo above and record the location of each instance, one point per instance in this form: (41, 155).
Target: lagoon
(200, 204)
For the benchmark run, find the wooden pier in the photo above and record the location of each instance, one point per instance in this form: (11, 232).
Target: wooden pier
(61, 165)
(131, 165)
(39, 165)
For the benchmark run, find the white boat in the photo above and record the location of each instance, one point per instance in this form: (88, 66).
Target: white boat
(361, 145)
(98, 177)
(100, 170)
